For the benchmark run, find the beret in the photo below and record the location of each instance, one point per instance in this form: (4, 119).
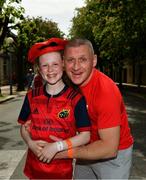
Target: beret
(40, 48)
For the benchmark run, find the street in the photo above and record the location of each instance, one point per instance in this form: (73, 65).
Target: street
(136, 108)
(9, 133)
(12, 147)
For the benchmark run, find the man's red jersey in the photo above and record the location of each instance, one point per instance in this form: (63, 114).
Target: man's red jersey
(106, 107)
(61, 115)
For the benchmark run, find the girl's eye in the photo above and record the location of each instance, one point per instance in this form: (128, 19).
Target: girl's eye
(44, 65)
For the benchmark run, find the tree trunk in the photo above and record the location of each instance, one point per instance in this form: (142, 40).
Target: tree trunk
(4, 31)
(20, 69)
(120, 77)
(133, 76)
(139, 74)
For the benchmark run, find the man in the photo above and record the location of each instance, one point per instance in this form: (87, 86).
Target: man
(111, 142)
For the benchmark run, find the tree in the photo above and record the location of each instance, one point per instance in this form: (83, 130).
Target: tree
(116, 27)
(10, 13)
(83, 26)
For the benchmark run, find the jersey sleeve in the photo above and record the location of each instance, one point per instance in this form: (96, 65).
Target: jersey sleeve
(81, 116)
(25, 111)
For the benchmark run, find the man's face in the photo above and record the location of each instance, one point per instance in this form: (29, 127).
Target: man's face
(51, 67)
(79, 63)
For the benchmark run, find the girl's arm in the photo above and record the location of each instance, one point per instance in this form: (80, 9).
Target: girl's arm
(35, 145)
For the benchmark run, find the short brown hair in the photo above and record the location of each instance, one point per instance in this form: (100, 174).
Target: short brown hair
(78, 42)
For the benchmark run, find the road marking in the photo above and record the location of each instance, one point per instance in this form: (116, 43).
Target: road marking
(9, 160)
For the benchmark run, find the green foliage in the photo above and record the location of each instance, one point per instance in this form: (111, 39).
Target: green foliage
(12, 10)
(24, 31)
(32, 30)
(117, 27)
(10, 14)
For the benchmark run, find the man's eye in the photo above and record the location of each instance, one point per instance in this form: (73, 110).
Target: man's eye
(83, 59)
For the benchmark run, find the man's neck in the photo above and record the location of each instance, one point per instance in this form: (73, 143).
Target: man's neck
(87, 80)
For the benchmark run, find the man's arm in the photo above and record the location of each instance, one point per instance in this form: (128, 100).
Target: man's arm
(49, 151)
(104, 148)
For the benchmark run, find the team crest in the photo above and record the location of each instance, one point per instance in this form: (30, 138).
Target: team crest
(64, 113)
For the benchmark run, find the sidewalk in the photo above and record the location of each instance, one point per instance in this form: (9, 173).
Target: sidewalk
(5, 90)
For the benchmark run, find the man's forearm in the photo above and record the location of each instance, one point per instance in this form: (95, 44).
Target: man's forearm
(94, 151)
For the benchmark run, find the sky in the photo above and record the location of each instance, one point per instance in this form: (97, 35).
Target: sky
(59, 11)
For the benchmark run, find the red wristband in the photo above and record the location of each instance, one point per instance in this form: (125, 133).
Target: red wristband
(70, 150)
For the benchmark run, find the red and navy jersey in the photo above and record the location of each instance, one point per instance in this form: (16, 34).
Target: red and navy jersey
(61, 115)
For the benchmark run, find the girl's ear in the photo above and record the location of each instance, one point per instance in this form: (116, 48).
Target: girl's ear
(94, 60)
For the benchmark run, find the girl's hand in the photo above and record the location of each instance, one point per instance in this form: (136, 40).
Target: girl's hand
(48, 152)
(36, 146)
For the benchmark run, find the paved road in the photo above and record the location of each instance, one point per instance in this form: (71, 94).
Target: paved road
(12, 148)
(136, 108)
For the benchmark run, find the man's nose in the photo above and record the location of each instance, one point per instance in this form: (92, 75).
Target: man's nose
(76, 64)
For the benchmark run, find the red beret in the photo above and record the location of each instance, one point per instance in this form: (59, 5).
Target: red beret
(51, 45)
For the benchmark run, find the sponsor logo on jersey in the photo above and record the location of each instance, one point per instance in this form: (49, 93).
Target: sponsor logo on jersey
(64, 113)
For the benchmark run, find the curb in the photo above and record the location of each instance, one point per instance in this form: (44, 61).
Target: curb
(9, 97)
(6, 99)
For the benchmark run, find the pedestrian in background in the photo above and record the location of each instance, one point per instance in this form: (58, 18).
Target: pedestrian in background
(29, 78)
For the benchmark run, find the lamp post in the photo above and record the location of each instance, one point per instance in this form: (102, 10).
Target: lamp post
(10, 65)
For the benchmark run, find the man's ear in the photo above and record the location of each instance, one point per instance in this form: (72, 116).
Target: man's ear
(94, 60)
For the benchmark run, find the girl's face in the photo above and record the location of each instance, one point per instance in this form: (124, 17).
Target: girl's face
(51, 67)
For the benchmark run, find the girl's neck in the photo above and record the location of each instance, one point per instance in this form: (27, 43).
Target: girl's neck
(55, 88)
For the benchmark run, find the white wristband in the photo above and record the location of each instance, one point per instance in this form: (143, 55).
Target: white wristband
(60, 146)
